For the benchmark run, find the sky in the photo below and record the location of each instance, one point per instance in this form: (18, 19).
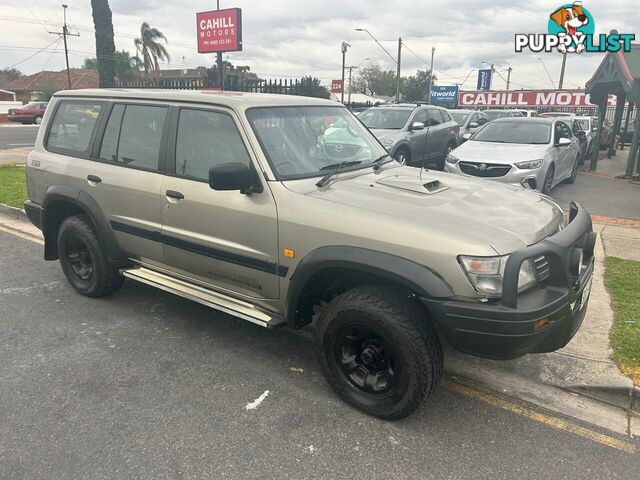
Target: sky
(288, 39)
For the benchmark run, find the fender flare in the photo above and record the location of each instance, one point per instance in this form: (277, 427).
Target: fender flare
(88, 204)
(418, 278)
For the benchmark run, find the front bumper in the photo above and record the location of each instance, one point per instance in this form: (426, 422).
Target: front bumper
(518, 177)
(541, 320)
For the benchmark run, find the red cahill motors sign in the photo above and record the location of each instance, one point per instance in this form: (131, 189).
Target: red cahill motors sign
(219, 30)
(336, 86)
(528, 98)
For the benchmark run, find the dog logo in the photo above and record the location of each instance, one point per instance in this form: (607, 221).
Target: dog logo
(571, 28)
(571, 21)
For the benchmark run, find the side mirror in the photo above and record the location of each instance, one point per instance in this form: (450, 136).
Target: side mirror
(563, 142)
(231, 176)
(466, 136)
(473, 125)
(416, 126)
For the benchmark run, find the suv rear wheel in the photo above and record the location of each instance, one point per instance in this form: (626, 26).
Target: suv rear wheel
(378, 351)
(83, 261)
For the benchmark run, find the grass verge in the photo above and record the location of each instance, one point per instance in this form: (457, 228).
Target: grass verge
(622, 278)
(13, 187)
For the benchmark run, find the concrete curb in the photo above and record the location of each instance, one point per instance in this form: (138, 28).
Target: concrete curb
(13, 212)
(635, 406)
(601, 381)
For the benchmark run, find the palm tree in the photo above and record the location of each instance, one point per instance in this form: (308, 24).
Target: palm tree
(149, 47)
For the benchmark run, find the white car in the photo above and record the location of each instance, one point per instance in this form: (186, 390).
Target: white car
(536, 153)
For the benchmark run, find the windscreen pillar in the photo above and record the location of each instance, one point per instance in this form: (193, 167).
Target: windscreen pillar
(621, 98)
(602, 110)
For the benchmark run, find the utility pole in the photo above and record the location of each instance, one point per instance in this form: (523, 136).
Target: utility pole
(219, 62)
(64, 34)
(398, 70)
(343, 49)
(433, 50)
(509, 77)
(349, 98)
(564, 64)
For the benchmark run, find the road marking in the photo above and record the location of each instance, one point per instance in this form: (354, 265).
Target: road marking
(553, 422)
(23, 235)
(20, 144)
(256, 403)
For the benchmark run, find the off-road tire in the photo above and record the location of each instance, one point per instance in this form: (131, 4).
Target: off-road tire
(104, 277)
(408, 329)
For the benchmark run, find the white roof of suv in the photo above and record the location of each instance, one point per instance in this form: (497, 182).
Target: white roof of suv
(235, 100)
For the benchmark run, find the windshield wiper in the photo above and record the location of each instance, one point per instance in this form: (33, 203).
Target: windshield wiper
(377, 163)
(336, 168)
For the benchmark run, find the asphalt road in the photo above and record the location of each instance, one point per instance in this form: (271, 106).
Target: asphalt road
(601, 196)
(144, 384)
(17, 136)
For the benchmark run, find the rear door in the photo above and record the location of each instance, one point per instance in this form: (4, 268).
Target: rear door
(418, 138)
(223, 239)
(438, 135)
(120, 171)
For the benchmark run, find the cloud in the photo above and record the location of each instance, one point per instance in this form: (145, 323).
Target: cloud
(287, 38)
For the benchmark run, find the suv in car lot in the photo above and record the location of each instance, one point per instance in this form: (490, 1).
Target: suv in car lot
(239, 202)
(29, 113)
(469, 121)
(413, 134)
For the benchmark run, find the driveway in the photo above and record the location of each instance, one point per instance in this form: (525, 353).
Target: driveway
(144, 384)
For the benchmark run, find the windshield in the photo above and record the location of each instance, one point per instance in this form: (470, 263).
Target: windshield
(494, 115)
(583, 124)
(32, 105)
(300, 142)
(515, 132)
(459, 117)
(385, 118)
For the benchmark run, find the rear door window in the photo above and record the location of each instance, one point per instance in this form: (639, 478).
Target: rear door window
(72, 127)
(140, 137)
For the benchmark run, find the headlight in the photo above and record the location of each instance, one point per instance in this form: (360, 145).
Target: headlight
(486, 274)
(530, 165)
(451, 158)
(387, 143)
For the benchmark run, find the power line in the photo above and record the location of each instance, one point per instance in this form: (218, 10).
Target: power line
(34, 54)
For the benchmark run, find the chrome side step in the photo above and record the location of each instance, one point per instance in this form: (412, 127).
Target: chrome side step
(212, 299)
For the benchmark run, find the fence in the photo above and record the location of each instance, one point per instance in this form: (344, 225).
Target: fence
(305, 87)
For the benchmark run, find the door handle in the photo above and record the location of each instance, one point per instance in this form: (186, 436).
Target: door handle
(174, 194)
(94, 178)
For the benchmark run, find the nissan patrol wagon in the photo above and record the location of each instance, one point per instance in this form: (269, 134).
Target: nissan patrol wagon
(286, 211)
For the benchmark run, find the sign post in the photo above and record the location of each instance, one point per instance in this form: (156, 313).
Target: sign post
(219, 31)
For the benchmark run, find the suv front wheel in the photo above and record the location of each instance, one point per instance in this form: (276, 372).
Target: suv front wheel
(83, 261)
(378, 351)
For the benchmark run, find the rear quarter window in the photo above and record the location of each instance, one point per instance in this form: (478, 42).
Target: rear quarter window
(72, 127)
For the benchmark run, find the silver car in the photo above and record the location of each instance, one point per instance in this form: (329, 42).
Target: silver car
(414, 135)
(469, 120)
(537, 153)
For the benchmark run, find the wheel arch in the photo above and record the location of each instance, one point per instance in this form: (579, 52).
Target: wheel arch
(331, 270)
(60, 202)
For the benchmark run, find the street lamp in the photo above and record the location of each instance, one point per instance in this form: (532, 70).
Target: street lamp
(397, 62)
(350, 70)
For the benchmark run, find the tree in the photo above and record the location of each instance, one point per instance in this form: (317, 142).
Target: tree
(150, 49)
(105, 47)
(48, 89)
(9, 75)
(127, 67)
(90, 63)
(414, 88)
(366, 79)
(311, 87)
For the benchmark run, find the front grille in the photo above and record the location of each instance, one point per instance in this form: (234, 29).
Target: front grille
(481, 169)
(340, 150)
(542, 268)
